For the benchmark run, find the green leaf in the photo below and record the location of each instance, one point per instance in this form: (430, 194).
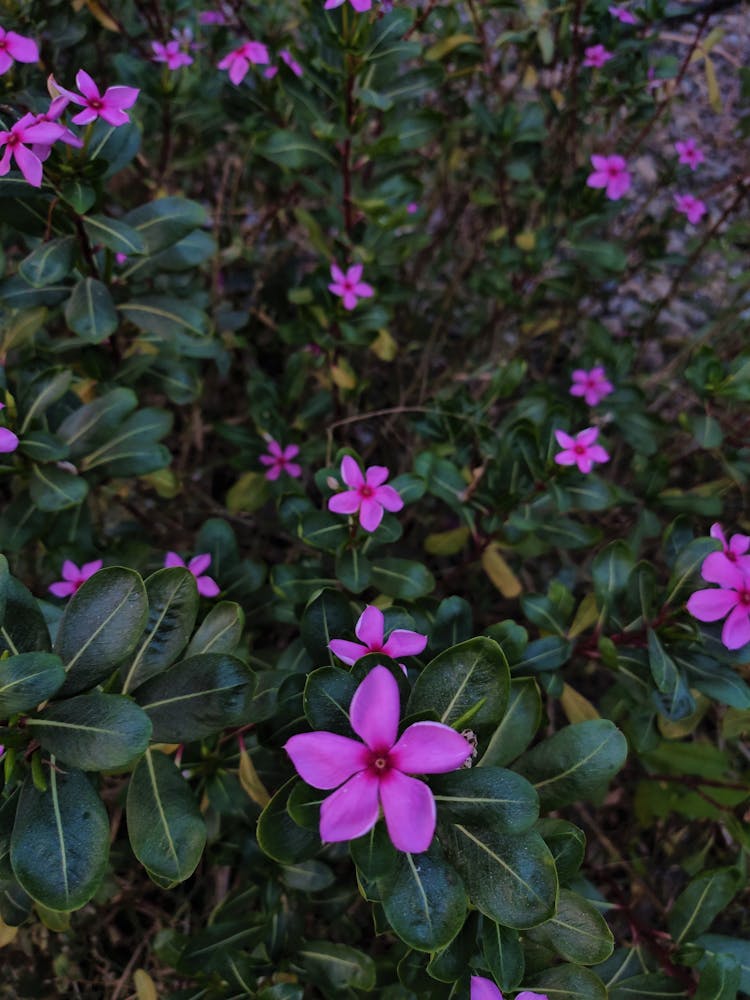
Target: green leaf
(28, 679)
(576, 762)
(173, 601)
(308, 876)
(166, 317)
(353, 570)
(220, 631)
(293, 151)
(688, 564)
(49, 263)
(569, 982)
(54, 489)
(77, 194)
(567, 843)
(651, 986)
(402, 578)
(163, 222)
(577, 932)
(322, 530)
(279, 836)
(196, 697)
(737, 948)
(510, 878)
(708, 894)
(374, 853)
(115, 144)
(114, 234)
(328, 694)
(165, 827)
(490, 794)
(465, 685)
(96, 421)
(41, 392)
(24, 629)
(337, 966)
(90, 311)
(328, 616)
(611, 568)
(40, 446)
(503, 954)
(720, 979)
(132, 449)
(424, 899)
(101, 625)
(93, 732)
(15, 904)
(517, 726)
(677, 703)
(545, 654)
(60, 840)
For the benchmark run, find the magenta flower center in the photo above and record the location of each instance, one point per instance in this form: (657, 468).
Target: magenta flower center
(366, 492)
(96, 104)
(731, 556)
(579, 449)
(3, 44)
(744, 596)
(13, 139)
(613, 171)
(379, 762)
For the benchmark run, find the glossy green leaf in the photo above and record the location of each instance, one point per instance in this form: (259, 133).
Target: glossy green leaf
(374, 853)
(23, 629)
(322, 530)
(517, 726)
(568, 982)
(567, 843)
(402, 578)
(220, 631)
(337, 966)
(164, 221)
(677, 702)
(279, 836)
(487, 795)
(28, 679)
(132, 450)
(49, 263)
(114, 234)
(737, 948)
(611, 568)
(293, 150)
(648, 986)
(577, 932)
(328, 616)
(503, 953)
(95, 421)
(708, 894)
(720, 979)
(328, 694)
(90, 311)
(54, 489)
(354, 570)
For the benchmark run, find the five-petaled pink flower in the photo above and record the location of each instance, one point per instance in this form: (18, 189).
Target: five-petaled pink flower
(731, 600)
(238, 61)
(27, 130)
(580, 450)
(593, 385)
(370, 630)
(349, 286)
(610, 172)
(109, 106)
(218, 17)
(170, 53)
(691, 207)
(73, 577)
(207, 586)
(376, 772)
(359, 5)
(733, 555)
(8, 440)
(366, 494)
(16, 48)
(623, 15)
(596, 56)
(279, 460)
(485, 989)
(689, 153)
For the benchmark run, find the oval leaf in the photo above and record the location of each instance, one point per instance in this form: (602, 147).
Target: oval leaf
(28, 679)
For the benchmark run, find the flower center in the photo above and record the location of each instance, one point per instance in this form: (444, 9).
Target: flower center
(95, 104)
(366, 492)
(579, 449)
(379, 762)
(744, 596)
(13, 139)
(731, 556)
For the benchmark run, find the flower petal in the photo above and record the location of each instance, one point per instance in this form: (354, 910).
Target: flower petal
(172, 559)
(375, 709)
(370, 514)
(711, 604)
(484, 989)
(409, 810)
(564, 440)
(739, 544)
(326, 760)
(370, 628)
(8, 441)
(566, 458)
(348, 652)
(351, 472)
(200, 563)
(22, 49)
(736, 630)
(402, 642)
(207, 586)
(430, 748)
(345, 503)
(376, 475)
(62, 589)
(29, 164)
(717, 568)
(121, 97)
(88, 569)
(587, 436)
(351, 811)
(389, 498)
(86, 85)
(70, 571)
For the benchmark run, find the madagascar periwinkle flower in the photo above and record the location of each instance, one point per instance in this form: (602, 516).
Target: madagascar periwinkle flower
(370, 630)
(580, 449)
(27, 130)
(596, 56)
(52, 114)
(592, 385)
(8, 440)
(170, 53)
(109, 106)
(349, 285)
(207, 587)
(485, 989)
(359, 5)
(16, 48)
(375, 773)
(279, 460)
(623, 15)
(611, 173)
(366, 494)
(689, 153)
(217, 17)
(733, 555)
(73, 577)
(691, 207)
(730, 600)
(239, 60)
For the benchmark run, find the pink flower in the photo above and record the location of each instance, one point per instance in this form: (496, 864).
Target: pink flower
(291, 62)
(580, 450)
(52, 114)
(689, 153)
(238, 60)
(732, 556)
(485, 989)
(374, 773)
(691, 207)
(596, 56)
(8, 440)
(171, 54)
(412, 208)
(221, 16)
(610, 172)
(367, 495)
(623, 15)
(280, 460)
(73, 577)
(370, 630)
(121, 258)
(16, 48)
(109, 106)
(593, 385)
(731, 600)
(349, 286)
(27, 130)
(359, 5)
(207, 587)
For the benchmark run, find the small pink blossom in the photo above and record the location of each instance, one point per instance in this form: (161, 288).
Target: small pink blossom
(8, 440)
(16, 48)
(279, 460)
(370, 630)
(623, 15)
(120, 258)
(218, 17)
(596, 56)
(170, 53)
(27, 130)
(109, 106)
(291, 62)
(691, 207)
(53, 114)
(375, 773)
(485, 989)
(412, 208)
(73, 577)
(733, 556)
(731, 600)
(349, 286)
(238, 61)
(207, 587)
(366, 494)
(580, 449)
(592, 385)
(689, 153)
(610, 172)
(359, 5)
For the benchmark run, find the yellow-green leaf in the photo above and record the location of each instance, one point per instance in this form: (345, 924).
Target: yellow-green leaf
(500, 572)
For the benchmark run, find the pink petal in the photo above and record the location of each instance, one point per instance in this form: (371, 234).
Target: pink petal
(717, 532)
(736, 630)
(293, 470)
(401, 642)
(370, 514)
(361, 5)
(348, 652)
(198, 564)
(484, 989)
(717, 568)
(6, 61)
(597, 180)
(291, 451)
(325, 760)
(8, 441)
(370, 627)
(267, 460)
(349, 300)
(274, 473)
(409, 810)
(351, 472)
(62, 589)
(207, 587)
(336, 288)
(22, 49)
(587, 436)
(389, 498)
(344, 503)
(351, 811)
(336, 273)
(86, 85)
(70, 571)
(29, 165)
(564, 440)
(53, 85)
(45, 132)
(585, 464)
(114, 116)
(120, 97)
(375, 709)
(530, 995)
(376, 475)
(354, 273)
(711, 604)
(739, 544)
(430, 748)
(88, 569)
(172, 559)
(330, 4)
(238, 70)
(84, 117)
(566, 458)
(598, 454)
(364, 290)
